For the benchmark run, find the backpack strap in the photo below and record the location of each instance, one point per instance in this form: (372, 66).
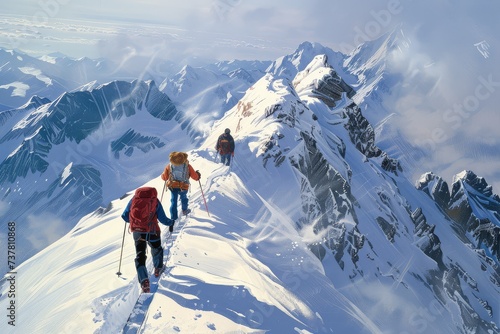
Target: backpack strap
(170, 178)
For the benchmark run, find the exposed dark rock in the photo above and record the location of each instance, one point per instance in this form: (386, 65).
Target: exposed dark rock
(477, 210)
(332, 202)
(388, 229)
(30, 157)
(131, 139)
(363, 137)
(428, 242)
(436, 188)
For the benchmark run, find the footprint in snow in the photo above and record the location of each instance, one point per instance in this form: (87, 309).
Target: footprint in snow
(157, 315)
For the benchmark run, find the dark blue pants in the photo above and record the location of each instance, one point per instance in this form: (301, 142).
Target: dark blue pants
(225, 159)
(141, 241)
(175, 194)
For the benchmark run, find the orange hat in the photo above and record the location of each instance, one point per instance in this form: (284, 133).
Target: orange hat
(178, 158)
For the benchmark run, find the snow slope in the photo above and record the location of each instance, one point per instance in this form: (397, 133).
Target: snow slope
(100, 140)
(308, 231)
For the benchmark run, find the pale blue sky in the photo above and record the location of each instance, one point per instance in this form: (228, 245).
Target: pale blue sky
(281, 23)
(454, 50)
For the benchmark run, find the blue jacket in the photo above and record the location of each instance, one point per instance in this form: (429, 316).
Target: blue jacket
(162, 217)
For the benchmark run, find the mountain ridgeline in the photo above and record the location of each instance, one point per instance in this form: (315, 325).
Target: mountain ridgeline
(348, 204)
(65, 158)
(409, 257)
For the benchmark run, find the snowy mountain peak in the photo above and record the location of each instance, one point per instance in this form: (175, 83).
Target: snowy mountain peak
(35, 102)
(434, 186)
(468, 177)
(313, 228)
(288, 66)
(319, 79)
(373, 54)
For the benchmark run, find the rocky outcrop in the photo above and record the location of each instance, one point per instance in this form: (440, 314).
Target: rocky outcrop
(29, 157)
(363, 137)
(477, 210)
(33, 103)
(435, 187)
(471, 204)
(329, 205)
(320, 80)
(428, 241)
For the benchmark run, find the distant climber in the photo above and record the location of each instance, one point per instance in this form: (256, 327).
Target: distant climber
(176, 175)
(225, 147)
(143, 212)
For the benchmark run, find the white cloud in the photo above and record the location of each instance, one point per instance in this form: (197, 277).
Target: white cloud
(448, 94)
(18, 88)
(43, 229)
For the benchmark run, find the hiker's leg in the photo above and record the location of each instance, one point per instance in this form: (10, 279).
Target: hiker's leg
(156, 250)
(173, 203)
(226, 158)
(140, 255)
(184, 200)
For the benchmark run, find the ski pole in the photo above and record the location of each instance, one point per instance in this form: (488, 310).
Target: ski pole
(121, 252)
(204, 200)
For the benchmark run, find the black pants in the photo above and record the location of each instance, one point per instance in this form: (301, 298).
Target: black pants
(141, 241)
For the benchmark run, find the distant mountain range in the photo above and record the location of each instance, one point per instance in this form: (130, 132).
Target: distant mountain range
(69, 154)
(391, 256)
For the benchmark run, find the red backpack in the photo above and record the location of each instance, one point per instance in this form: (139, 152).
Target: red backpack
(143, 217)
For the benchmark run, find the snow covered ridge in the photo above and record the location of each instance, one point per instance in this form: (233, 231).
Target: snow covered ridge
(110, 134)
(313, 228)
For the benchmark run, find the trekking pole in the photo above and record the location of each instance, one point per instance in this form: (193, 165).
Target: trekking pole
(232, 162)
(204, 200)
(121, 252)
